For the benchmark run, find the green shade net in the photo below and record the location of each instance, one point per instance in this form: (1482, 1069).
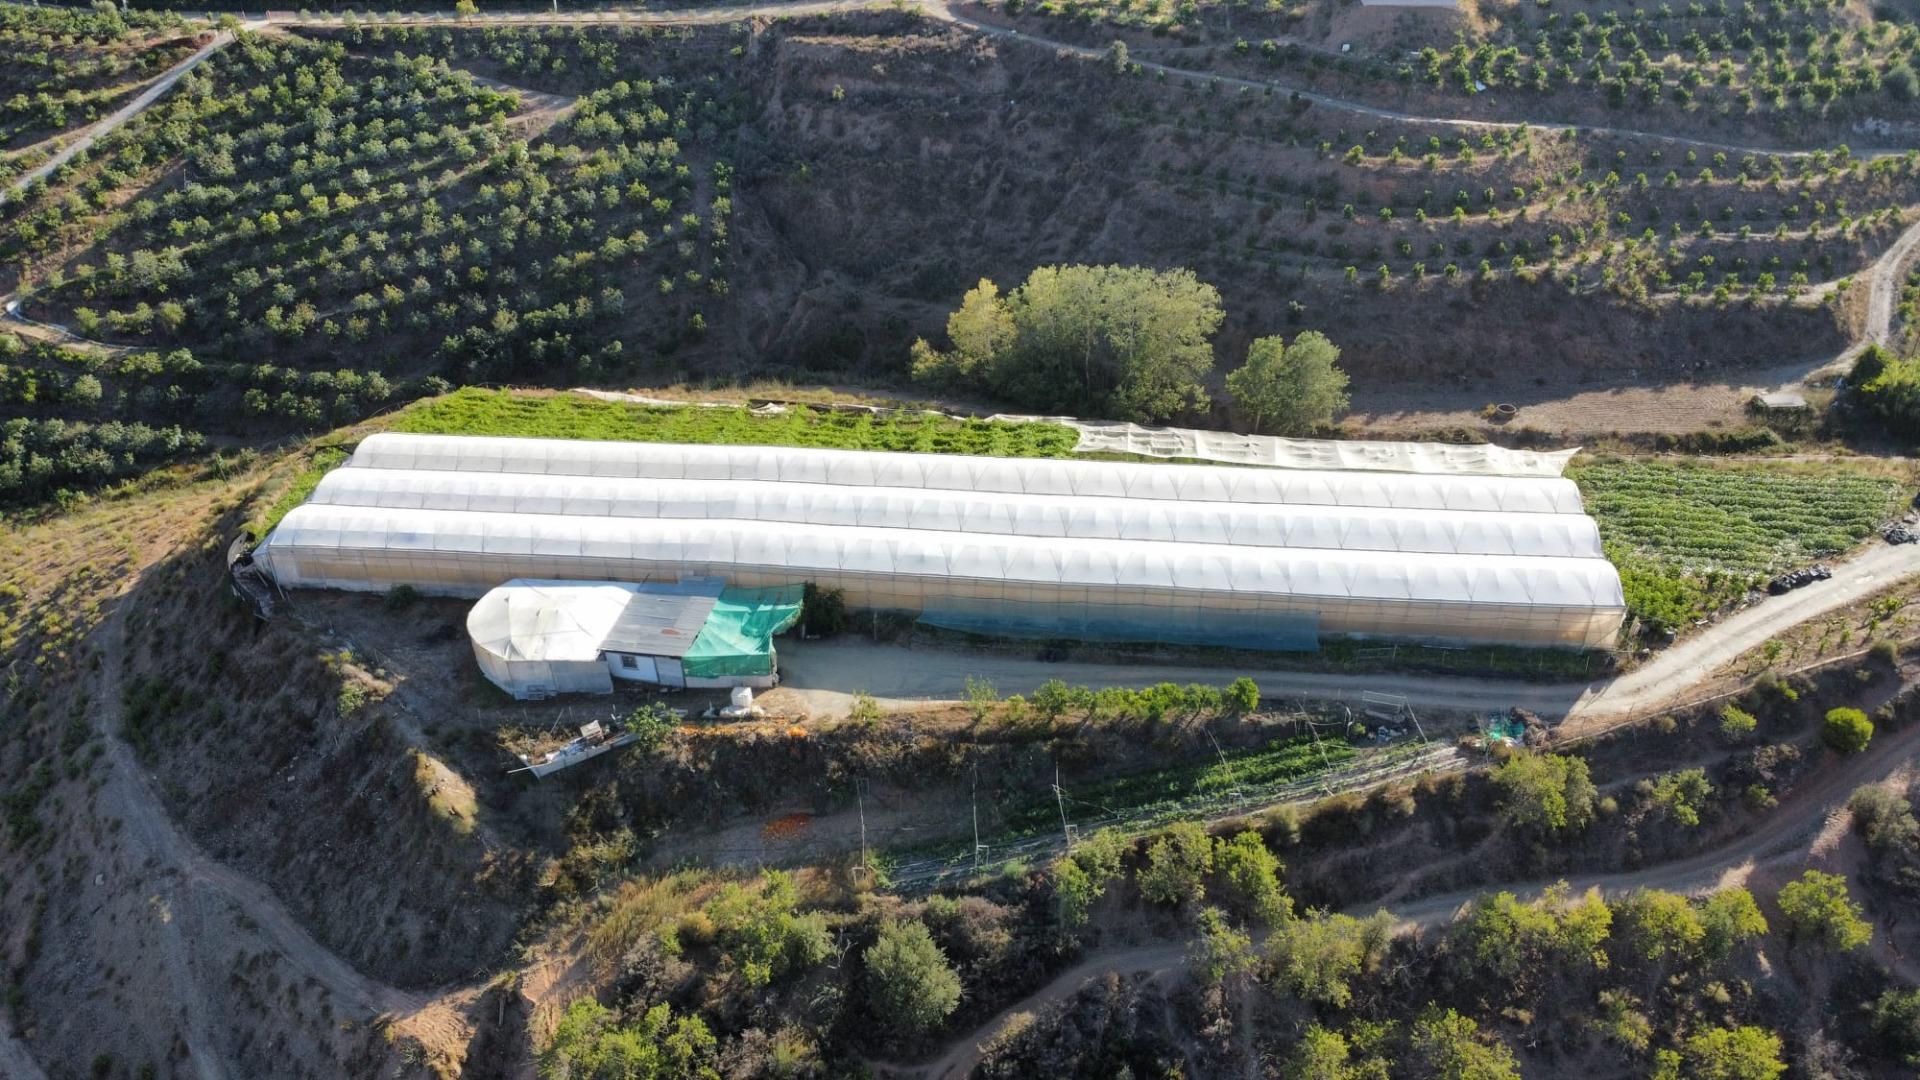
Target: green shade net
(738, 636)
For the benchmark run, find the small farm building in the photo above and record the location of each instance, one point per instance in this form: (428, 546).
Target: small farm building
(1083, 549)
(535, 639)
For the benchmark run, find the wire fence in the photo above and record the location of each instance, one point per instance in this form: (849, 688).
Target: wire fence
(927, 872)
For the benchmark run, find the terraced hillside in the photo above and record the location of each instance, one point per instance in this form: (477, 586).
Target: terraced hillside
(323, 222)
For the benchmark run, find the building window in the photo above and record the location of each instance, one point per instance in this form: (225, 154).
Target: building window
(629, 662)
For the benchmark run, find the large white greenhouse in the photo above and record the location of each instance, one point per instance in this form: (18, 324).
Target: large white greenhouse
(1112, 550)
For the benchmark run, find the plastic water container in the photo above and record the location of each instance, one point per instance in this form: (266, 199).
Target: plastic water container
(742, 697)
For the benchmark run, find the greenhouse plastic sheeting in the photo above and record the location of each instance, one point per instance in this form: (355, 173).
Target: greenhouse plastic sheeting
(1416, 556)
(1362, 528)
(1284, 632)
(738, 637)
(1523, 600)
(948, 472)
(1453, 459)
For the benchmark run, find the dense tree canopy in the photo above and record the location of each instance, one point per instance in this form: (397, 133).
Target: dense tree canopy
(1290, 389)
(1120, 341)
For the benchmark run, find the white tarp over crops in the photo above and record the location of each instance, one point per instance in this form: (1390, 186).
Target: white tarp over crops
(1483, 459)
(953, 472)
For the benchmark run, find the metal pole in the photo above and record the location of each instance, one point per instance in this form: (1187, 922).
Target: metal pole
(976, 818)
(1059, 797)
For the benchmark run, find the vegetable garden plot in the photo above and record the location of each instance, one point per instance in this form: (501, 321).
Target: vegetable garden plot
(1744, 520)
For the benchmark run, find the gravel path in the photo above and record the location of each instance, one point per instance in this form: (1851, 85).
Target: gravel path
(120, 116)
(824, 674)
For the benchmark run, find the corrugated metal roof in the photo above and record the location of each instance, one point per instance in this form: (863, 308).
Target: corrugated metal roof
(660, 623)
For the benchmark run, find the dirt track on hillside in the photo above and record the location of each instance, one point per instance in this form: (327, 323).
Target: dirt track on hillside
(1783, 837)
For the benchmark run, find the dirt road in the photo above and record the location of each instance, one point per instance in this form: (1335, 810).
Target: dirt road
(186, 876)
(1783, 837)
(124, 113)
(824, 673)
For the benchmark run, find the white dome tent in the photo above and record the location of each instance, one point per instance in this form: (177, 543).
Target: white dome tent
(1457, 558)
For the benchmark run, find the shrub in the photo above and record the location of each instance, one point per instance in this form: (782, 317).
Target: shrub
(1243, 695)
(1737, 723)
(1896, 1020)
(1449, 1044)
(1682, 795)
(1547, 793)
(1847, 730)
(825, 610)
(761, 932)
(910, 985)
(1316, 958)
(589, 1042)
(651, 724)
(1221, 951)
(401, 597)
(1252, 876)
(1177, 866)
(1744, 1053)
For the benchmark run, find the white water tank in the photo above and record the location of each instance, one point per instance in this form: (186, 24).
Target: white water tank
(742, 697)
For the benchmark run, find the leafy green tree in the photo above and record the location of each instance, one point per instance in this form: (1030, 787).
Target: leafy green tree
(1847, 730)
(1729, 917)
(1316, 958)
(1320, 1054)
(1449, 1046)
(1546, 793)
(1117, 341)
(1073, 892)
(1683, 795)
(1103, 854)
(1082, 876)
(979, 331)
(1252, 876)
(910, 985)
(1222, 951)
(1290, 389)
(1513, 943)
(1743, 1053)
(1818, 908)
(1177, 866)
(1659, 926)
(589, 1044)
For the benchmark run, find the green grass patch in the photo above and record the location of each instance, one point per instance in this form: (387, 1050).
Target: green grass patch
(324, 460)
(1689, 536)
(473, 411)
